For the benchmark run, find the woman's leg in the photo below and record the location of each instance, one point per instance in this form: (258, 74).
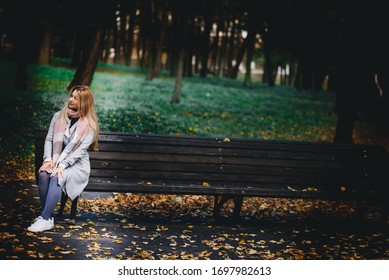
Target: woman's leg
(53, 196)
(43, 187)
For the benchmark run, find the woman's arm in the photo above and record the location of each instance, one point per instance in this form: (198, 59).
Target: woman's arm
(48, 148)
(80, 152)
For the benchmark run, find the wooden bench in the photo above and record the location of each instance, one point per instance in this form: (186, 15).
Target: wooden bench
(234, 168)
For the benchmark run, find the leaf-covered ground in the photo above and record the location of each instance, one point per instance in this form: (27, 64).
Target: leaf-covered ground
(182, 227)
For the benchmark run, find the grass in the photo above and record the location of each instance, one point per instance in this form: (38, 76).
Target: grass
(126, 102)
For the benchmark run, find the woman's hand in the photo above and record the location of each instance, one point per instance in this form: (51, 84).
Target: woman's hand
(46, 166)
(59, 171)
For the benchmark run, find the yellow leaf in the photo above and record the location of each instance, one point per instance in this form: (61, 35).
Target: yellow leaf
(31, 254)
(18, 249)
(66, 252)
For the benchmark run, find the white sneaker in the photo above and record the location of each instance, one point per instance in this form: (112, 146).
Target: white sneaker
(41, 224)
(51, 219)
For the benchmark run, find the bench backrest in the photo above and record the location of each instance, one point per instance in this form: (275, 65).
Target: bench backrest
(200, 164)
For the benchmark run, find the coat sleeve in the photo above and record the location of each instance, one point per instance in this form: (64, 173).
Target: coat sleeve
(80, 152)
(48, 148)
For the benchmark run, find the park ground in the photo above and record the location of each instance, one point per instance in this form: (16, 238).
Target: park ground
(170, 227)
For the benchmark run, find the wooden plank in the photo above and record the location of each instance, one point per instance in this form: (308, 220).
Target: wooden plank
(211, 178)
(154, 157)
(223, 169)
(220, 190)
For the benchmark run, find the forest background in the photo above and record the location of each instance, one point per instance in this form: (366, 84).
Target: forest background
(296, 70)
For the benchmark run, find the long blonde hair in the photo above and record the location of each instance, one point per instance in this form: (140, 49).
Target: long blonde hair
(86, 109)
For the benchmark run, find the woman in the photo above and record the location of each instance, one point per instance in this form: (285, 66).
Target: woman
(66, 164)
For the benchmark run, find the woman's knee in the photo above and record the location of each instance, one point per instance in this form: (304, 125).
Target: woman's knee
(43, 176)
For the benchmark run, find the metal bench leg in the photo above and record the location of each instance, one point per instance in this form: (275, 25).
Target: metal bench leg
(64, 198)
(384, 212)
(73, 211)
(361, 210)
(219, 201)
(238, 201)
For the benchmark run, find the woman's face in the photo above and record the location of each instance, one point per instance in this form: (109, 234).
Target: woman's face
(73, 101)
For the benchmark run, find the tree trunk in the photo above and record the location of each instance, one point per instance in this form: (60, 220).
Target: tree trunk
(151, 14)
(231, 49)
(75, 52)
(163, 19)
(205, 45)
(85, 71)
(269, 69)
(249, 55)
(241, 52)
(45, 44)
(130, 38)
(345, 126)
(180, 73)
(292, 73)
(116, 43)
(25, 44)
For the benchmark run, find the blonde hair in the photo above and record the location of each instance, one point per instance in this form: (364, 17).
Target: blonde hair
(86, 109)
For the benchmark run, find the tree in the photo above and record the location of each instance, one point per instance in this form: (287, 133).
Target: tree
(24, 35)
(252, 26)
(181, 15)
(45, 43)
(87, 67)
(358, 59)
(96, 24)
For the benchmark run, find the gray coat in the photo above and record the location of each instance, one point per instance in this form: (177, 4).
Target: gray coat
(77, 165)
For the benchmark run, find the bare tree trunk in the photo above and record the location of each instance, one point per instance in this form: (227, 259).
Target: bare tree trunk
(231, 48)
(75, 49)
(130, 43)
(235, 69)
(116, 43)
(269, 69)
(25, 39)
(163, 19)
(180, 74)
(85, 71)
(223, 51)
(150, 26)
(250, 53)
(45, 44)
(205, 46)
